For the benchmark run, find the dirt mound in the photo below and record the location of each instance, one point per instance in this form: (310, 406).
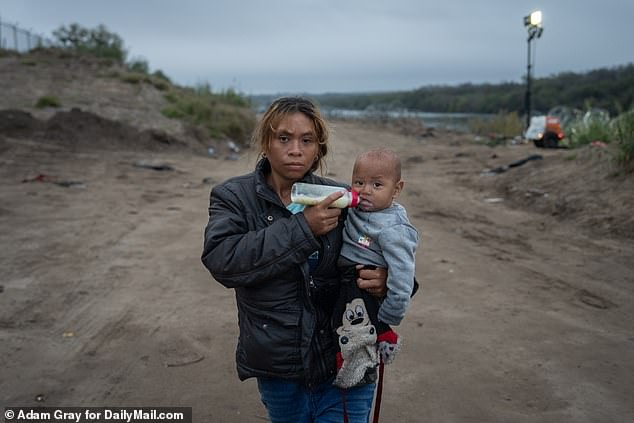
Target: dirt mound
(79, 129)
(119, 108)
(585, 187)
(18, 123)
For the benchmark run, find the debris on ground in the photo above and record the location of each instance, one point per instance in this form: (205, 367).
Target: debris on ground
(160, 166)
(502, 169)
(599, 144)
(494, 200)
(233, 147)
(53, 180)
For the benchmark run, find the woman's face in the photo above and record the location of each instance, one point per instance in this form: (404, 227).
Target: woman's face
(293, 148)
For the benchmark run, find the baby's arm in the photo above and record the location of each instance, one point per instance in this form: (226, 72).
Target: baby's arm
(398, 244)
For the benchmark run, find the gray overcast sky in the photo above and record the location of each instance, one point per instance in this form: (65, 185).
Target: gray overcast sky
(317, 46)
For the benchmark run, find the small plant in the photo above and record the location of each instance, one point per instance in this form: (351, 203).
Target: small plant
(171, 97)
(584, 133)
(47, 101)
(160, 75)
(139, 66)
(133, 78)
(623, 133)
(159, 84)
(232, 97)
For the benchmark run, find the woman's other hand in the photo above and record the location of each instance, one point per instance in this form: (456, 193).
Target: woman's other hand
(321, 217)
(373, 280)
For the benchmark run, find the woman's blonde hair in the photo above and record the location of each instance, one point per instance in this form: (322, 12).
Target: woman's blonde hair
(279, 109)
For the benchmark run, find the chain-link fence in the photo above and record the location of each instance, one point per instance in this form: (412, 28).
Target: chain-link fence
(12, 37)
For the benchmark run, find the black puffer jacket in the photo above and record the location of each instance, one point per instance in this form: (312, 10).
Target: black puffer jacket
(256, 246)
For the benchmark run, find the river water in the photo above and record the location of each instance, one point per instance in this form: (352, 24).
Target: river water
(453, 121)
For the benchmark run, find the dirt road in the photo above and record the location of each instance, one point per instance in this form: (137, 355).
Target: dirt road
(104, 301)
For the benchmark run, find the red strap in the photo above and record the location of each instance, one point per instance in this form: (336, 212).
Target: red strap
(377, 404)
(345, 409)
(379, 392)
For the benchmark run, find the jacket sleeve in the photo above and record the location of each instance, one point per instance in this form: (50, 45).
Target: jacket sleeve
(398, 244)
(242, 248)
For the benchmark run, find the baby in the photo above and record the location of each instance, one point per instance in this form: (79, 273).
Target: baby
(377, 233)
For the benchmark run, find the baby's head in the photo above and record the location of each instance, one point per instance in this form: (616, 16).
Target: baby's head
(376, 176)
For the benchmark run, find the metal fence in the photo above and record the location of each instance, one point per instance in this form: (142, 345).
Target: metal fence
(12, 37)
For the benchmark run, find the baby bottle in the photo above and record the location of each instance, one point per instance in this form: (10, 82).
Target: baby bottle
(311, 194)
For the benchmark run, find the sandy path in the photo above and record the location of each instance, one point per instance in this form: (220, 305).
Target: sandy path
(104, 302)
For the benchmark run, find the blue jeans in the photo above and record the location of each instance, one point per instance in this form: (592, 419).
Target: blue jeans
(292, 402)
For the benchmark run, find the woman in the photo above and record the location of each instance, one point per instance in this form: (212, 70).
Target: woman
(281, 260)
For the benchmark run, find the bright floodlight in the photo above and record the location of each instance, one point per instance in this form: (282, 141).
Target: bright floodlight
(536, 18)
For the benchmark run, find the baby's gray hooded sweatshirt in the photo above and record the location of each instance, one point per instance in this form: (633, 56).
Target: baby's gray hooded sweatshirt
(384, 238)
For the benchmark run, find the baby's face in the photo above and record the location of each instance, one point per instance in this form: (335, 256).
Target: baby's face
(376, 183)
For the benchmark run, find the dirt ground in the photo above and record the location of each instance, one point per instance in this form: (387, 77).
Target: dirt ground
(525, 312)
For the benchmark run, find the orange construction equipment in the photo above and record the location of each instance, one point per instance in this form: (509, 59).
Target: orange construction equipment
(545, 131)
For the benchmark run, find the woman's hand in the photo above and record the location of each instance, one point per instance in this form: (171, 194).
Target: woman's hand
(321, 217)
(373, 280)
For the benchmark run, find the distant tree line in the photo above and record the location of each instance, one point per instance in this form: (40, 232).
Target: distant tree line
(608, 88)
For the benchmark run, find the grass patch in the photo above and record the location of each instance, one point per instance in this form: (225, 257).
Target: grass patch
(158, 83)
(47, 101)
(6, 53)
(619, 132)
(139, 78)
(139, 66)
(501, 126)
(623, 134)
(171, 97)
(160, 75)
(133, 78)
(223, 115)
(583, 133)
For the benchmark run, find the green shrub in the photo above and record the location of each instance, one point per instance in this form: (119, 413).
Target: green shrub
(138, 77)
(583, 133)
(159, 84)
(623, 133)
(98, 41)
(222, 115)
(173, 112)
(139, 66)
(160, 75)
(47, 101)
(230, 96)
(133, 78)
(171, 97)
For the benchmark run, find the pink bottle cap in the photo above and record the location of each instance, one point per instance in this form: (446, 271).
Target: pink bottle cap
(354, 199)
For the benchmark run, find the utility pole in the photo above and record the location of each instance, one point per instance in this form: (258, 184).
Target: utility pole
(533, 24)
